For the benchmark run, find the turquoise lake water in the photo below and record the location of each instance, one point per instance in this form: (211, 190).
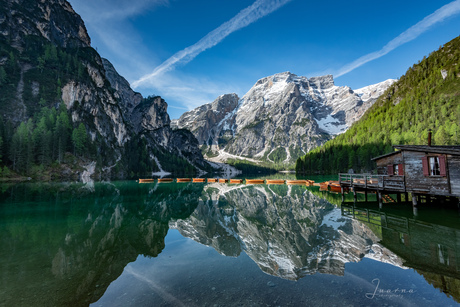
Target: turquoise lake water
(190, 244)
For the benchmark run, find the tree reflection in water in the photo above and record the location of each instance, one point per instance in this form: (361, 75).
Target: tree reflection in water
(64, 244)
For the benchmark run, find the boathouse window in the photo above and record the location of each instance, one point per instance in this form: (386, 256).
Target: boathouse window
(395, 169)
(434, 166)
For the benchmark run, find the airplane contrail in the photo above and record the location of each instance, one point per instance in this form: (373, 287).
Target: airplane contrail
(410, 34)
(245, 17)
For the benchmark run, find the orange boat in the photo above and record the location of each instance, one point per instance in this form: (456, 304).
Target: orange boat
(255, 181)
(236, 180)
(334, 186)
(223, 180)
(146, 180)
(212, 180)
(198, 179)
(184, 179)
(323, 186)
(275, 181)
(301, 182)
(165, 180)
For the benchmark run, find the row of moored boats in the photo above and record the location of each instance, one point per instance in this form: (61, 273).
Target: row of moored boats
(225, 180)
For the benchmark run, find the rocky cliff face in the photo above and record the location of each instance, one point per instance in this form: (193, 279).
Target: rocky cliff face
(54, 20)
(281, 117)
(46, 47)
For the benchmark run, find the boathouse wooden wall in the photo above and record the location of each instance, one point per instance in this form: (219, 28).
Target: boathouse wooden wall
(415, 180)
(453, 168)
(382, 163)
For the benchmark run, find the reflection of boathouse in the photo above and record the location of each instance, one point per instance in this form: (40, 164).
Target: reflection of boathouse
(423, 171)
(430, 245)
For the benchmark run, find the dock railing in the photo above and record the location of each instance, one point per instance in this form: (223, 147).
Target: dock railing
(375, 182)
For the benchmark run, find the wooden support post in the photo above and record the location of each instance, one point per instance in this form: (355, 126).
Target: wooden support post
(379, 196)
(343, 194)
(414, 200)
(365, 195)
(406, 197)
(398, 197)
(415, 211)
(355, 195)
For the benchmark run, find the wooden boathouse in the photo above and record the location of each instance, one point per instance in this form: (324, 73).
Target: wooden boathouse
(426, 172)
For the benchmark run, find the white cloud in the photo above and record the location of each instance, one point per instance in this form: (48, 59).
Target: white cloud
(113, 10)
(410, 34)
(112, 33)
(245, 17)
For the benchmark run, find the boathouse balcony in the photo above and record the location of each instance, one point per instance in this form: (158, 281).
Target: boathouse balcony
(394, 183)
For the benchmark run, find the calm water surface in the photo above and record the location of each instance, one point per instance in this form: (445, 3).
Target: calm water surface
(189, 244)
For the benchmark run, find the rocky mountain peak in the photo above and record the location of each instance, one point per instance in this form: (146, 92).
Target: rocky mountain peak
(281, 117)
(322, 82)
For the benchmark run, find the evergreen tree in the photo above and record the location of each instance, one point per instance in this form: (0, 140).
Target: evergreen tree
(61, 134)
(2, 75)
(79, 139)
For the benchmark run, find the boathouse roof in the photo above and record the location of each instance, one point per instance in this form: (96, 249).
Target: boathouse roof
(451, 150)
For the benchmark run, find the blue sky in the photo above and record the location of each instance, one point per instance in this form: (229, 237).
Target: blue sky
(190, 52)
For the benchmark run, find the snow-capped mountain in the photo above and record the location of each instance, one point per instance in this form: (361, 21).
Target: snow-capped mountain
(281, 117)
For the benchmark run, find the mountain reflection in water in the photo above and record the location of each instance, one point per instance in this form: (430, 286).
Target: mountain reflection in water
(286, 230)
(67, 244)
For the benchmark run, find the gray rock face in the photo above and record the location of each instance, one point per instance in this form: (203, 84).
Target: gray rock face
(210, 123)
(150, 115)
(281, 117)
(55, 20)
(127, 97)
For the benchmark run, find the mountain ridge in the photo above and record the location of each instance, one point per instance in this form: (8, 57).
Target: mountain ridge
(279, 118)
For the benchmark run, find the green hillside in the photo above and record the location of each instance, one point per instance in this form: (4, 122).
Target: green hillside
(426, 97)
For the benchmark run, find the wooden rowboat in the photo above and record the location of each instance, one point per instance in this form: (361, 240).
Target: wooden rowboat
(236, 180)
(212, 180)
(165, 180)
(323, 186)
(223, 180)
(301, 182)
(198, 179)
(334, 186)
(255, 181)
(275, 181)
(184, 179)
(146, 180)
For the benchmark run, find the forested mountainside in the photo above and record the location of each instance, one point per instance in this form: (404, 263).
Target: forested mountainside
(65, 111)
(426, 97)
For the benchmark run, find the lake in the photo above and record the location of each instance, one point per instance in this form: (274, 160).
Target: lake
(193, 244)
